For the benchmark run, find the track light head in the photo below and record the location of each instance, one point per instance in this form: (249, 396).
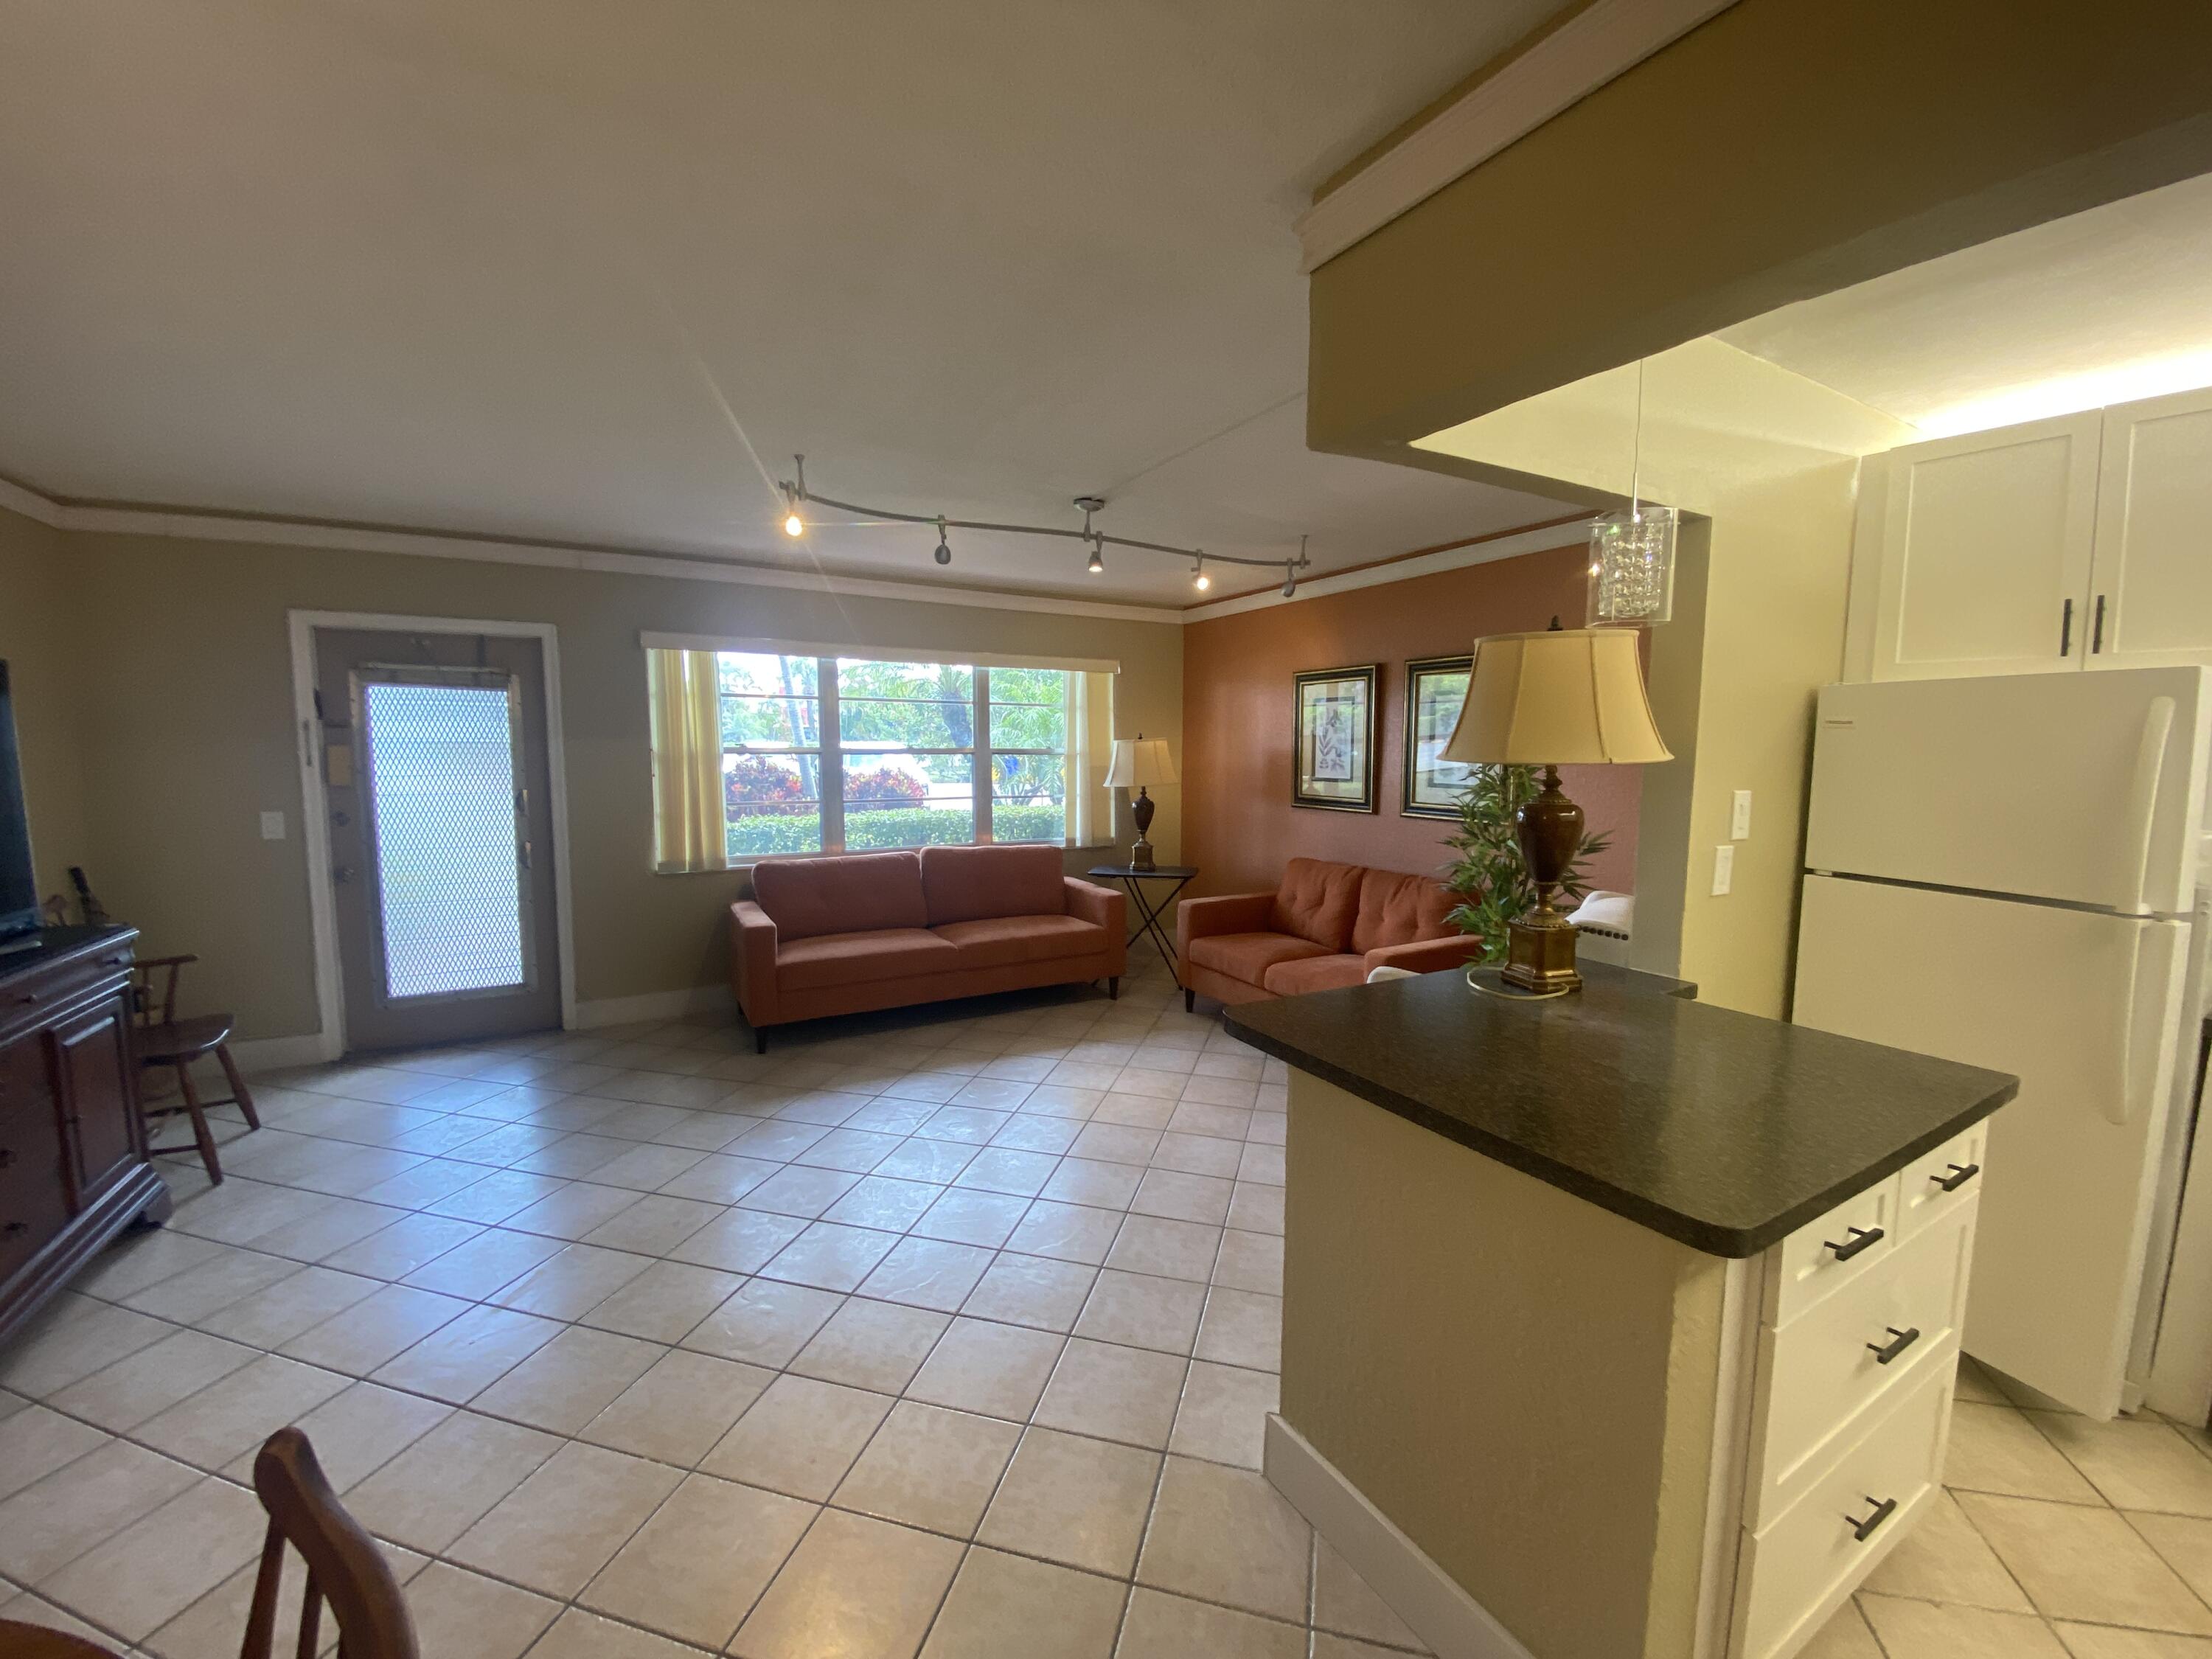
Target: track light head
(1199, 578)
(1097, 565)
(793, 525)
(943, 553)
(1290, 579)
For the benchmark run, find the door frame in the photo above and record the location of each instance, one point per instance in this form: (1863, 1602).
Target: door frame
(322, 906)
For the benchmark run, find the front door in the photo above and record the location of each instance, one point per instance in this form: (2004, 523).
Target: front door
(437, 780)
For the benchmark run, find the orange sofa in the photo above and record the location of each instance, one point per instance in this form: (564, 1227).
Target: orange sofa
(882, 930)
(1328, 925)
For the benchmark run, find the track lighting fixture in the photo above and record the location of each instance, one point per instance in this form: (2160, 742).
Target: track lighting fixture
(795, 492)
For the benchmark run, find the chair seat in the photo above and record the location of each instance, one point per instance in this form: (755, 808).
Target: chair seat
(183, 1039)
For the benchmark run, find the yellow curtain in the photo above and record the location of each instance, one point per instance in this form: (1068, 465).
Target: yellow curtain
(1090, 750)
(688, 832)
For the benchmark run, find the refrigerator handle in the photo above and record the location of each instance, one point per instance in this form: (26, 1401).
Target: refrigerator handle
(2119, 1105)
(2142, 800)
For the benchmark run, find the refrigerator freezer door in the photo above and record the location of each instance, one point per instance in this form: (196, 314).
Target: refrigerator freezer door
(2083, 1008)
(2053, 786)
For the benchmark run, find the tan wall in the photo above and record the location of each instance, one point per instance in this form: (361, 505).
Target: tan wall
(1771, 461)
(186, 692)
(1522, 1382)
(39, 631)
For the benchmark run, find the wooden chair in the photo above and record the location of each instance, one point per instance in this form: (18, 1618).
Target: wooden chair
(164, 1041)
(344, 1568)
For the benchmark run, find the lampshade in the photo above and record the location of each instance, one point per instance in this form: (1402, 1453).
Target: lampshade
(1140, 761)
(1571, 696)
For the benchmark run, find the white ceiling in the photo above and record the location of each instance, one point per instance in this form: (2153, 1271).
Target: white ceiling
(2106, 305)
(525, 268)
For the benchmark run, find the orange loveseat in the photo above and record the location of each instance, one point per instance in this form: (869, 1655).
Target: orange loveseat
(1328, 925)
(882, 930)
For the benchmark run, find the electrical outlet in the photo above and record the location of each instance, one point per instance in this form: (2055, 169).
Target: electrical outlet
(272, 826)
(1739, 820)
(1723, 868)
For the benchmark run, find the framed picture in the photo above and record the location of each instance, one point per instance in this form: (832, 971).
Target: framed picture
(1435, 689)
(1334, 711)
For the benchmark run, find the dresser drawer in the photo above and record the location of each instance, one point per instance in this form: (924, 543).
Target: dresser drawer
(1939, 1183)
(26, 1080)
(34, 1187)
(1794, 1570)
(1823, 1376)
(1823, 1256)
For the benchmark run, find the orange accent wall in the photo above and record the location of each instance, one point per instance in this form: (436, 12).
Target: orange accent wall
(1239, 825)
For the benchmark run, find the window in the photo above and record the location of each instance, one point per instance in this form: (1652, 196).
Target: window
(828, 754)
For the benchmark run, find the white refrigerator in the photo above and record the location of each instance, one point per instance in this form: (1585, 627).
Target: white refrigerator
(2004, 871)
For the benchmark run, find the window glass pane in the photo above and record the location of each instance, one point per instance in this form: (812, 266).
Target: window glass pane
(772, 802)
(1028, 685)
(898, 705)
(750, 672)
(750, 722)
(930, 681)
(1029, 726)
(901, 799)
(1028, 798)
(441, 791)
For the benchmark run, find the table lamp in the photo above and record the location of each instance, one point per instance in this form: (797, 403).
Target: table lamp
(1137, 761)
(1570, 696)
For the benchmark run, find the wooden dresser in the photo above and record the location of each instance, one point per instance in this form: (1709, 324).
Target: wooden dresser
(72, 1165)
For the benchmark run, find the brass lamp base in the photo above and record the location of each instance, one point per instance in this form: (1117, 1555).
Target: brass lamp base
(1140, 855)
(1540, 946)
(1540, 952)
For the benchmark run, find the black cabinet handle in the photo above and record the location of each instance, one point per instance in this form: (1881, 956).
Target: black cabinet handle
(14, 1228)
(1960, 1175)
(1864, 1529)
(1886, 1352)
(2066, 628)
(1862, 1238)
(7, 1157)
(2097, 628)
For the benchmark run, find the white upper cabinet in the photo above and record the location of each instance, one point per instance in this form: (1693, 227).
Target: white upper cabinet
(1985, 549)
(2152, 583)
(2074, 542)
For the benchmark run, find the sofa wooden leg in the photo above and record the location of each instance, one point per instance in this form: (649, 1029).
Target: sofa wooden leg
(1190, 1001)
(1114, 988)
(760, 1040)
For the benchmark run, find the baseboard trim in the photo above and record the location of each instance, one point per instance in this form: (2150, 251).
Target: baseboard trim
(1420, 1592)
(653, 1005)
(265, 1054)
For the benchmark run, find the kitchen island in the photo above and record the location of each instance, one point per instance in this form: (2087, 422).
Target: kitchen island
(1614, 1326)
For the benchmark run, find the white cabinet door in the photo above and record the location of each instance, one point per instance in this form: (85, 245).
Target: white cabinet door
(2151, 589)
(1986, 551)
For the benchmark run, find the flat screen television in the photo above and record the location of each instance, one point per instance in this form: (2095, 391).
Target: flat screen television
(19, 888)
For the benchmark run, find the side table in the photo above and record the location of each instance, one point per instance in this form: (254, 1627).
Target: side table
(1149, 914)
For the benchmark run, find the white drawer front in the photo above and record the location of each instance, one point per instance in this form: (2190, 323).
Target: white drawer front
(1822, 1376)
(1824, 1255)
(1795, 1569)
(1936, 1185)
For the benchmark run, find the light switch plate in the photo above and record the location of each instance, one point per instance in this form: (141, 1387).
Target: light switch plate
(1740, 819)
(272, 826)
(1723, 868)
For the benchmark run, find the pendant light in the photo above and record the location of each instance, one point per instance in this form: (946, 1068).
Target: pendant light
(1631, 568)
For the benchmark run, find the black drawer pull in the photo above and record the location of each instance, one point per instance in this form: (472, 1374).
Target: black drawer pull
(1862, 1238)
(14, 1228)
(1886, 1352)
(1960, 1175)
(1864, 1529)
(7, 1157)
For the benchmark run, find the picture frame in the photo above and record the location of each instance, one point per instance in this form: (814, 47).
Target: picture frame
(1333, 759)
(1435, 689)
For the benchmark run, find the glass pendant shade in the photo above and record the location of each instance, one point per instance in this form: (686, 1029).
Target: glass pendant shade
(1631, 567)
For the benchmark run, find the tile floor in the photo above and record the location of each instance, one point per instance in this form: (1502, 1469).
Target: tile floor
(949, 1331)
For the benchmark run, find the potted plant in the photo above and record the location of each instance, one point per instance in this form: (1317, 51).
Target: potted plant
(1489, 873)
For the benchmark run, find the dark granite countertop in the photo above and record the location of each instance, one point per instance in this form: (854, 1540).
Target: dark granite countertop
(1722, 1130)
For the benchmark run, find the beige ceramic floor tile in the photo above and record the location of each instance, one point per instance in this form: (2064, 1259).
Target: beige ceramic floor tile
(1224, 1535)
(799, 1436)
(572, 1280)
(872, 1345)
(663, 1304)
(1171, 1627)
(146, 1575)
(680, 1409)
(1242, 1327)
(696, 1569)
(1250, 1261)
(1224, 1414)
(374, 1329)
(1114, 1393)
(566, 1520)
(1845, 1636)
(1343, 1602)
(121, 1396)
(571, 1380)
(464, 1616)
(930, 1467)
(928, 1273)
(1143, 1311)
(1943, 1558)
(2085, 1564)
(289, 1307)
(2186, 1543)
(579, 1635)
(34, 1441)
(764, 1323)
(53, 1520)
(1030, 1290)
(855, 1588)
(459, 1361)
(436, 1490)
(358, 1431)
(233, 1416)
(1925, 1630)
(1994, 1448)
(1073, 1500)
(2141, 1465)
(2108, 1641)
(997, 1369)
(1005, 1606)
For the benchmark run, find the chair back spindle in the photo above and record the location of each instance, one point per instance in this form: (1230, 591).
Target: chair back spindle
(344, 1566)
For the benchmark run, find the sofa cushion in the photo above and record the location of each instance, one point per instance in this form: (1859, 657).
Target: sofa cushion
(1316, 901)
(963, 884)
(809, 964)
(1294, 979)
(995, 941)
(1249, 957)
(1396, 909)
(864, 892)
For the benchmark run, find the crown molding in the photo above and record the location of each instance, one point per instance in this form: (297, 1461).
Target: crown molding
(1506, 545)
(31, 504)
(1603, 41)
